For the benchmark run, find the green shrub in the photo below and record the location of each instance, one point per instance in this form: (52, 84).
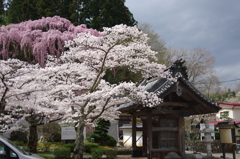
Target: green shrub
(110, 141)
(70, 145)
(46, 145)
(19, 136)
(111, 154)
(96, 153)
(103, 139)
(62, 153)
(100, 134)
(194, 136)
(46, 156)
(88, 146)
(56, 137)
(96, 137)
(18, 143)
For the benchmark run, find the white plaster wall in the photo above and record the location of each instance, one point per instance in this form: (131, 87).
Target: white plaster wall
(237, 114)
(127, 133)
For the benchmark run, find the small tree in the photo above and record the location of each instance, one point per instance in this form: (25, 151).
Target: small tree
(102, 126)
(224, 115)
(200, 64)
(235, 99)
(157, 44)
(100, 133)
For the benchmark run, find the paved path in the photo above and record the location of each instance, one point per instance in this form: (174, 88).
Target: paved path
(217, 155)
(227, 155)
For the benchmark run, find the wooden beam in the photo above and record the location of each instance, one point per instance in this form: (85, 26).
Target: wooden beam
(172, 112)
(165, 129)
(175, 104)
(208, 107)
(164, 149)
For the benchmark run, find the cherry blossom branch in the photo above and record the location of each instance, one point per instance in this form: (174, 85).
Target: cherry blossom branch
(101, 112)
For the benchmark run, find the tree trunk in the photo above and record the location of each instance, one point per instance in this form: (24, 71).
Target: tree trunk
(2, 105)
(79, 143)
(33, 138)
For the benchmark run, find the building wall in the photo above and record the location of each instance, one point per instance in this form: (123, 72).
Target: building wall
(233, 108)
(127, 138)
(237, 114)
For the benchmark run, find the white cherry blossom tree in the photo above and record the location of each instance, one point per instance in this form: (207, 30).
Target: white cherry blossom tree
(12, 69)
(76, 78)
(24, 96)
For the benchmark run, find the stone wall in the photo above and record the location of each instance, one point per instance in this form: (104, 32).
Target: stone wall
(200, 146)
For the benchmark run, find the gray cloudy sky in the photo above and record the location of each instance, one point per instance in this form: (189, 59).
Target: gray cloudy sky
(213, 25)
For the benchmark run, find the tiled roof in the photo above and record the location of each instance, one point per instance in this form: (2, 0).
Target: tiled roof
(228, 123)
(232, 104)
(179, 72)
(160, 86)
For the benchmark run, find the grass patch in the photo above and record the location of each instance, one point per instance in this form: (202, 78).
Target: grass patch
(106, 147)
(52, 144)
(46, 155)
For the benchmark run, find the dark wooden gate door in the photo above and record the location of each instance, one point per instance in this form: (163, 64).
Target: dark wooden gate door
(165, 136)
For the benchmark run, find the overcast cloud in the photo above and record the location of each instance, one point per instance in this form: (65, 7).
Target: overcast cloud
(213, 25)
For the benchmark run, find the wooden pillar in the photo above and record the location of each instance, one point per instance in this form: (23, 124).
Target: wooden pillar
(181, 135)
(223, 151)
(149, 134)
(234, 143)
(144, 131)
(134, 134)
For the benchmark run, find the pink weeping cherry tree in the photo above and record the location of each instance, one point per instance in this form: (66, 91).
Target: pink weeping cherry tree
(82, 94)
(32, 41)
